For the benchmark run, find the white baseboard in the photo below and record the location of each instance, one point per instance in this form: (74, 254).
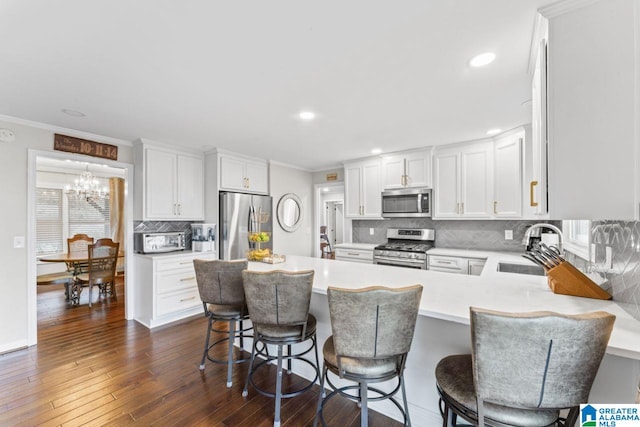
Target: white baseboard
(13, 346)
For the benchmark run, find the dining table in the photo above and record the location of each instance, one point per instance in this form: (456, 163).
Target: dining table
(74, 260)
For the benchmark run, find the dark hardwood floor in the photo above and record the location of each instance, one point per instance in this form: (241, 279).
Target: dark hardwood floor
(92, 367)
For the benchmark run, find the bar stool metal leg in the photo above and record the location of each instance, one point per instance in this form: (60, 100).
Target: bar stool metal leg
(245, 391)
(364, 412)
(276, 420)
(206, 344)
(232, 334)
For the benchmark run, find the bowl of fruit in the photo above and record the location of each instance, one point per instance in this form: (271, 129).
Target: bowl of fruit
(257, 254)
(263, 236)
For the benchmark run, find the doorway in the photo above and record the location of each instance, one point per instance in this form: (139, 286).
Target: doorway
(58, 171)
(334, 220)
(329, 203)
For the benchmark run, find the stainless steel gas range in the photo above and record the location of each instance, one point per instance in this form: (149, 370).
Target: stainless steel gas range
(406, 247)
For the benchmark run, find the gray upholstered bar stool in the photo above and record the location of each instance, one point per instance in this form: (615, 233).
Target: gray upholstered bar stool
(279, 309)
(524, 368)
(372, 333)
(222, 295)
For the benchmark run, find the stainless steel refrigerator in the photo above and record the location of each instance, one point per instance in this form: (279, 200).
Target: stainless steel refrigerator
(240, 215)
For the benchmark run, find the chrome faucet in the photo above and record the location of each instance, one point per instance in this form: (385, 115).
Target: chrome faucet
(527, 234)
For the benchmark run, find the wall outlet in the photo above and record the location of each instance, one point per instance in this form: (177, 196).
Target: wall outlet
(508, 234)
(371, 231)
(18, 242)
(608, 257)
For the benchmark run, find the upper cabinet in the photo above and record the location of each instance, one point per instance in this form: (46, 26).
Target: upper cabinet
(362, 184)
(463, 181)
(407, 169)
(593, 111)
(243, 174)
(537, 191)
(507, 175)
(480, 179)
(169, 184)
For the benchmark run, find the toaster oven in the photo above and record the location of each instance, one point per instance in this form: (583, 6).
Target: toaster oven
(149, 243)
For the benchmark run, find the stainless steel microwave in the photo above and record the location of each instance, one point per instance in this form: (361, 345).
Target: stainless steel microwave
(407, 202)
(149, 243)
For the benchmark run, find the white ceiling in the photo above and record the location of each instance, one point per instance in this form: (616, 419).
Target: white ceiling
(233, 74)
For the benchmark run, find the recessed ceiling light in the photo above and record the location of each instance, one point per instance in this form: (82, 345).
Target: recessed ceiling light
(307, 115)
(73, 113)
(325, 189)
(492, 132)
(376, 151)
(482, 59)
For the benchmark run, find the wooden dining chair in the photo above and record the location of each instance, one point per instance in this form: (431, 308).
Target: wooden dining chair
(78, 243)
(103, 257)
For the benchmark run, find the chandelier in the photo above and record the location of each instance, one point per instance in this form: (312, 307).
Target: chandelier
(87, 187)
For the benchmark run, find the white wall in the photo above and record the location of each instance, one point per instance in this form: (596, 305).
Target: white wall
(284, 179)
(14, 263)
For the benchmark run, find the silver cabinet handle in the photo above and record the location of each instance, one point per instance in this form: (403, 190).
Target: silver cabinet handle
(188, 279)
(187, 299)
(353, 254)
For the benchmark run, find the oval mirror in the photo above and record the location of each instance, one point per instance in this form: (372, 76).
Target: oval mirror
(289, 212)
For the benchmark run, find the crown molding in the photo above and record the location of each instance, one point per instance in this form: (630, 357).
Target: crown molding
(564, 6)
(67, 131)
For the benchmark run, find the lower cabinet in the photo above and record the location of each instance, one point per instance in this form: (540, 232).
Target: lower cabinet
(166, 287)
(354, 255)
(457, 265)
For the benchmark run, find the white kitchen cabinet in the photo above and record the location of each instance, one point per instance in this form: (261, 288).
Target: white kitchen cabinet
(169, 184)
(455, 264)
(463, 181)
(507, 176)
(476, 266)
(362, 183)
(243, 174)
(593, 111)
(537, 195)
(354, 255)
(166, 287)
(407, 169)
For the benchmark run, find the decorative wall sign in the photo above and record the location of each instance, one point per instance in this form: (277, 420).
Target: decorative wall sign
(332, 177)
(72, 144)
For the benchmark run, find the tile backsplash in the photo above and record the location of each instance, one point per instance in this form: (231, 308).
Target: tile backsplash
(472, 234)
(622, 277)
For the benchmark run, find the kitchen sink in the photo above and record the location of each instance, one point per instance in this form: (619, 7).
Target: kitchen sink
(507, 267)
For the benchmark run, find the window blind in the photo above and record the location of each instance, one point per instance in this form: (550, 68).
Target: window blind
(90, 217)
(49, 221)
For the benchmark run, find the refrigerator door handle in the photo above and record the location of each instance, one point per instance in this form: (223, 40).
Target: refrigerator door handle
(250, 228)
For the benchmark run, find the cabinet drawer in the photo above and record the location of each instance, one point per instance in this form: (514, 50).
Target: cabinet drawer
(175, 281)
(356, 255)
(175, 264)
(450, 264)
(182, 263)
(177, 301)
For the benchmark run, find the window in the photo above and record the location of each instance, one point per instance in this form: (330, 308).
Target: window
(48, 221)
(577, 234)
(59, 216)
(90, 217)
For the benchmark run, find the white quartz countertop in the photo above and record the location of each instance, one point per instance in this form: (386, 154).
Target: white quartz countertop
(448, 296)
(177, 254)
(361, 246)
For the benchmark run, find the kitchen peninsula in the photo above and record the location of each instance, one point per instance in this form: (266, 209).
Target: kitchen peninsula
(443, 322)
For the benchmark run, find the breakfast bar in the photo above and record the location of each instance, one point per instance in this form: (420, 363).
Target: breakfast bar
(443, 322)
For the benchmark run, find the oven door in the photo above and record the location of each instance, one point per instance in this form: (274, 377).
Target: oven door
(419, 264)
